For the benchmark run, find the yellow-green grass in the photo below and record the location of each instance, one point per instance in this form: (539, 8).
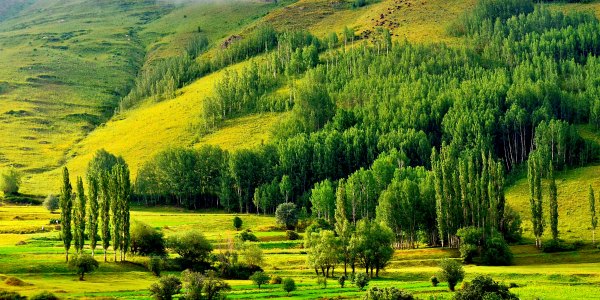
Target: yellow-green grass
(40, 262)
(573, 205)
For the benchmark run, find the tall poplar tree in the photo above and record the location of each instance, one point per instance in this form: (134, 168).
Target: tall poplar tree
(66, 206)
(553, 195)
(594, 219)
(104, 204)
(114, 210)
(92, 213)
(79, 217)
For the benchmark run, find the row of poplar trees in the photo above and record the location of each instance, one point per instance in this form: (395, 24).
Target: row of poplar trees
(105, 208)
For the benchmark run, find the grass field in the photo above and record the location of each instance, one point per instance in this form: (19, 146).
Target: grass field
(37, 259)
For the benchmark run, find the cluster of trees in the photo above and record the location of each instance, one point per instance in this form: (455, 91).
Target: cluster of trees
(418, 137)
(10, 181)
(104, 208)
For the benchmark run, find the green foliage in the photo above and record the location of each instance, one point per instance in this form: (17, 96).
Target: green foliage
(292, 235)
(323, 251)
(146, 240)
(288, 285)
(342, 281)
(553, 246)
(434, 281)
(66, 206)
(322, 198)
(192, 246)
(8, 295)
(253, 254)
(361, 280)
(51, 203)
(207, 286)
(247, 236)
(484, 287)
(387, 293)
(237, 222)
(259, 278)
(10, 181)
(155, 265)
(79, 210)
(371, 245)
(452, 272)
(45, 295)
(593, 217)
(82, 264)
(511, 228)
(287, 215)
(276, 280)
(166, 287)
(470, 238)
(496, 252)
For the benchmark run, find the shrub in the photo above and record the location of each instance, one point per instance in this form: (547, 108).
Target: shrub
(484, 287)
(253, 255)
(511, 227)
(45, 295)
(468, 252)
(259, 278)
(287, 215)
(207, 286)
(165, 288)
(388, 293)
(146, 240)
(275, 280)
(361, 280)
(452, 272)
(237, 222)
(10, 181)
(322, 281)
(82, 264)
(434, 281)
(6, 295)
(155, 265)
(247, 236)
(288, 285)
(496, 252)
(192, 246)
(51, 203)
(342, 281)
(292, 235)
(552, 246)
(238, 271)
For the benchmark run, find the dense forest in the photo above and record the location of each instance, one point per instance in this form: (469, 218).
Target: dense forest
(420, 137)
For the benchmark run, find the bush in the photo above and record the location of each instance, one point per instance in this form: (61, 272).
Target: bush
(287, 215)
(452, 272)
(511, 227)
(253, 255)
(468, 252)
(14, 281)
(237, 222)
(259, 278)
(322, 281)
(484, 287)
(51, 203)
(434, 281)
(388, 293)
(155, 265)
(204, 286)
(44, 296)
(238, 271)
(496, 252)
(275, 280)
(361, 280)
(247, 236)
(292, 235)
(165, 288)
(6, 295)
(342, 281)
(288, 285)
(192, 246)
(146, 240)
(82, 264)
(552, 246)
(10, 181)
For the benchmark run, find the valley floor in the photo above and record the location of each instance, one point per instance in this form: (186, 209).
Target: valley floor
(31, 250)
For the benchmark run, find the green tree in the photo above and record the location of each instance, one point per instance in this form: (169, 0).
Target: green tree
(361, 280)
(553, 195)
(51, 203)
(146, 240)
(192, 246)
(288, 285)
(594, 220)
(79, 211)
(285, 186)
(253, 254)
(10, 181)
(287, 215)
(484, 287)
(66, 210)
(322, 198)
(259, 278)
(166, 287)
(237, 222)
(104, 206)
(452, 272)
(82, 264)
(93, 212)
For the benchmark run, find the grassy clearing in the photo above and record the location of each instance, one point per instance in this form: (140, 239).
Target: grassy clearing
(39, 263)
